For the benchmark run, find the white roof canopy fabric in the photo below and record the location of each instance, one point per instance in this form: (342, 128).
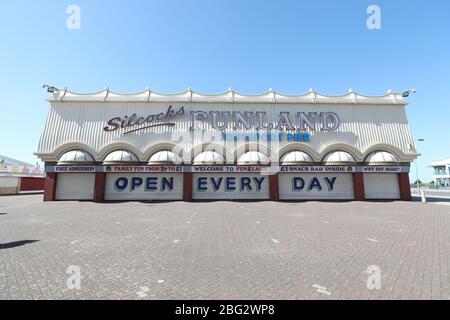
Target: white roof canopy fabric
(381, 157)
(209, 157)
(74, 157)
(165, 157)
(232, 96)
(120, 156)
(253, 158)
(338, 157)
(295, 157)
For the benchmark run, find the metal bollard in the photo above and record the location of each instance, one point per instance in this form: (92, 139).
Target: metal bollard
(424, 198)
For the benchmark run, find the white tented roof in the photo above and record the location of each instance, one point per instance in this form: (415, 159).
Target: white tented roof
(208, 158)
(295, 157)
(381, 157)
(253, 158)
(338, 157)
(229, 96)
(120, 156)
(75, 156)
(165, 157)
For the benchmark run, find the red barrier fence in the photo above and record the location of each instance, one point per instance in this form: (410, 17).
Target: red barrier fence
(31, 184)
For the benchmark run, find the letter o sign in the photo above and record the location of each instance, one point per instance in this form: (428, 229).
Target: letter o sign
(121, 184)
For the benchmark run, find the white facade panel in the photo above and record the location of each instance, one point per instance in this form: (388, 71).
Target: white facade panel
(312, 186)
(75, 186)
(232, 186)
(144, 186)
(361, 127)
(381, 186)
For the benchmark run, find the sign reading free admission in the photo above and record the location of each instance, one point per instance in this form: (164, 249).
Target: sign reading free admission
(71, 169)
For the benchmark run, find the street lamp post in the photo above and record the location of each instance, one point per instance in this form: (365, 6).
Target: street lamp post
(417, 170)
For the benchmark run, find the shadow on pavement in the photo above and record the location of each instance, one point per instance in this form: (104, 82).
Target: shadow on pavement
(3, 213)
(15, 244)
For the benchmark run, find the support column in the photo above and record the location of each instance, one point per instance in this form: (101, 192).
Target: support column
(187, 186)
(273, 187)
(99, 189)
(404, 186)
(358, 186)
(50, 186)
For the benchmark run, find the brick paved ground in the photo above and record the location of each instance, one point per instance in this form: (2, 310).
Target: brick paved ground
(223, 250)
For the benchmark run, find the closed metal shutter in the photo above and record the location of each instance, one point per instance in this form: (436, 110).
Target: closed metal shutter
(311, 186)
(144, 186)
(75, 186)
(9, 185)
(233, 186)
(381, 186)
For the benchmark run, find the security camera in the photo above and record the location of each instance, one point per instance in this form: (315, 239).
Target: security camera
(50, 89)
(407, 92)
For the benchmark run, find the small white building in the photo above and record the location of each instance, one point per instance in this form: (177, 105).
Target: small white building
(192, 146)
(20, 177)
(441, 173)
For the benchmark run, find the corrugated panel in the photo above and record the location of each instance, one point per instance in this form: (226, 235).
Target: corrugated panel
(158, 190)
(243, 186)
(342, 188)
(381, 186)
(75, 186)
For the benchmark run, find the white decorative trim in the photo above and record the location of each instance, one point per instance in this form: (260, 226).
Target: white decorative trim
(230, 96)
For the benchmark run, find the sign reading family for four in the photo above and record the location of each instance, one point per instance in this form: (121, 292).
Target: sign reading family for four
(236, 120)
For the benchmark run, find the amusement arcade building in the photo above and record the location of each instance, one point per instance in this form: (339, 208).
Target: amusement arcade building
(189, 146)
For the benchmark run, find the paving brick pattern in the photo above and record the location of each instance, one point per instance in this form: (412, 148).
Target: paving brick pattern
(223, 250)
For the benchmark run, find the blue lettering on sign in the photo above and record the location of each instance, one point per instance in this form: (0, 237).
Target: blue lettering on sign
(298, 137)
(259, 183)
(216, 184)
(229, 184)
(246, 183)
(315, 183)
(330, 183)
(167, 183)
(121, 184)
(298, 184)
(136, 182)
(150, 183)
(202, 184)
(268, 136)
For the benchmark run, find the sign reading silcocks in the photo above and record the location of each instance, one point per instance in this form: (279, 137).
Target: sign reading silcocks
(222, 120)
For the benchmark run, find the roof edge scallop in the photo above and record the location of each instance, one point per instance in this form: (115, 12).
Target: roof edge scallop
(230, 96)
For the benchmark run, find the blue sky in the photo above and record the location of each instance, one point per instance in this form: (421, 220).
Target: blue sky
(290, 46)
